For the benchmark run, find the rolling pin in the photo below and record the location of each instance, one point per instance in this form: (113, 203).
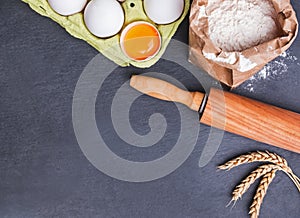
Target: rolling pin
(240, 115)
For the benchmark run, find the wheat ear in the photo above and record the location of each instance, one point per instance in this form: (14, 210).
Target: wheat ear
(255, 157)
(249, 180)
(261, 192)
(262, 157)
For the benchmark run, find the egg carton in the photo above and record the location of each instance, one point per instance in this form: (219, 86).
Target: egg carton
(110, 47)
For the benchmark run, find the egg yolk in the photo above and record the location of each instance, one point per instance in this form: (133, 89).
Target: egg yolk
(141, 41)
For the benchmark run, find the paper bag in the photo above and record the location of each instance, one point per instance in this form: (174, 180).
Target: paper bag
(233, 68)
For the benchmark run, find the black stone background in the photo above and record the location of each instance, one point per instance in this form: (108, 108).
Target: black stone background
(43, 172)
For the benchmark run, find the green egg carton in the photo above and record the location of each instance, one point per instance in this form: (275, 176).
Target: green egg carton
(110, 47)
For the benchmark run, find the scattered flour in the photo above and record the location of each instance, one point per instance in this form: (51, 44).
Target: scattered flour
(235, 25)
(271, 71)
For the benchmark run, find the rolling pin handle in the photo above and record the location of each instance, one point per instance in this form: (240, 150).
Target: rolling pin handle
(203, 105)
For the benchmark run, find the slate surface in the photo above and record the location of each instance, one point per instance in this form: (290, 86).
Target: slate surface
(45, 174)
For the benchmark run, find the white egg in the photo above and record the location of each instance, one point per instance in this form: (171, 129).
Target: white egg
(67, 7)
(163, 11)
(104, 18)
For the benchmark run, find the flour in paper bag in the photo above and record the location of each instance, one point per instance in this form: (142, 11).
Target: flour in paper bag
(235, 25)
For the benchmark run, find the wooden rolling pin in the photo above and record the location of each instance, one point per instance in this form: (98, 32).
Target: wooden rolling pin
(231, 112)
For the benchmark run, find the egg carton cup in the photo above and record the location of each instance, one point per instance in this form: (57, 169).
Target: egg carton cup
(110, 47)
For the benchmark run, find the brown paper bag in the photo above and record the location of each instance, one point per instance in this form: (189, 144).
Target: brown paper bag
(231, 70)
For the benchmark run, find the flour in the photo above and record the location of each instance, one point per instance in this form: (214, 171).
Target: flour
(230, 57)
(271, 71)
(245, 64)
(235, 25)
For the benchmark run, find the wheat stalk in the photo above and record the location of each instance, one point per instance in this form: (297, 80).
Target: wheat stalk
(249, 180)
(261, 192)
(263, 157)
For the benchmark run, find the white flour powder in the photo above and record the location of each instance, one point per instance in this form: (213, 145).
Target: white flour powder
(272, 70)
(230, 58)
(235, 25)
